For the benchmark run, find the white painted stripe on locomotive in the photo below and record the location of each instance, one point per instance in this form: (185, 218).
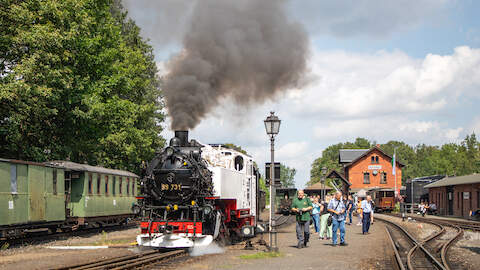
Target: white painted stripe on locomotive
(173, 240)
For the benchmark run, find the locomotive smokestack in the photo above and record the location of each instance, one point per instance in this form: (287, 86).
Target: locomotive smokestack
(182, 135)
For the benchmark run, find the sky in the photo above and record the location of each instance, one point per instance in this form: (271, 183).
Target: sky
(381, 70)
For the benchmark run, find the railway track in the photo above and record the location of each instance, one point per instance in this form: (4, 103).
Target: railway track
(45, 237)
(466, 225)
(430, 253)
(141, 260)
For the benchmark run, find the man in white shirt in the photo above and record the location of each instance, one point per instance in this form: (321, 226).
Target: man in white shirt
(367, 214)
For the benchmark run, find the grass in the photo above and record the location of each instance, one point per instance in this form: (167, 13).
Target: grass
(261, 255)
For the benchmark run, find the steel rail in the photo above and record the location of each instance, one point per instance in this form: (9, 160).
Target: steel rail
(397, 257)
(419, 245)
(447, 245)
(124, 261)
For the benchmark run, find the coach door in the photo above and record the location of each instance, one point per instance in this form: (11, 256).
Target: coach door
(36, 188)
(450, 200)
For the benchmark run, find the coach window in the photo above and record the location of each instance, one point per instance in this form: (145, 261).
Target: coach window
(89, 183)
(106, 184)
(383, 180)
(99, 182)
(13, 178)
(120, 184)
(366, 178)
(128, 186)
(54, 180)
(113, 185)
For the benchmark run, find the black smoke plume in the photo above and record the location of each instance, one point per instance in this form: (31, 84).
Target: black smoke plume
(247, 50)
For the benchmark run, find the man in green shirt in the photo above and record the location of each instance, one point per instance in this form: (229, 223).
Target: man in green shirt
(302, 206)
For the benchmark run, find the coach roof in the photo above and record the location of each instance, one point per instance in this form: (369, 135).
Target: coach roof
(459, 180)
(88, 168)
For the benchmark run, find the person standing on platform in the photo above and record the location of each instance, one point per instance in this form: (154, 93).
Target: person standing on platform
(302, 206)
(367, 214)
(324, 214)
(350, 209)
(316, 214)
(359, 211)
(336, 207)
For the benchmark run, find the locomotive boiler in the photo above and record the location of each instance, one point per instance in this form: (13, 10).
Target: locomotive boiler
(193, 194)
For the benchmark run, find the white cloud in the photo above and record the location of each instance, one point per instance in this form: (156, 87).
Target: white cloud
(362, 85)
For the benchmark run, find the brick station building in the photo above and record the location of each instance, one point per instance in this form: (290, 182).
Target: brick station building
(456, 196)
(370, 169)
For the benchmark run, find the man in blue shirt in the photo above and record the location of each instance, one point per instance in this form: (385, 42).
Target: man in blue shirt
(337, 209)
(367, 214)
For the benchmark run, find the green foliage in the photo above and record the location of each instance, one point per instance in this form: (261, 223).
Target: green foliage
(261, 255)
(287, 176)
(235, 147)
(421, 160)
(76, 81)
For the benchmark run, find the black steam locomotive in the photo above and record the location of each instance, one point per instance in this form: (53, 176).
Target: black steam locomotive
(177, 206)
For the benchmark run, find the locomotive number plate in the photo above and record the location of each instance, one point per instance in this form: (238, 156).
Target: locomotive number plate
(171, 187)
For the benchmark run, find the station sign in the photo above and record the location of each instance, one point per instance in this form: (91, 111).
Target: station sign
(374, 167)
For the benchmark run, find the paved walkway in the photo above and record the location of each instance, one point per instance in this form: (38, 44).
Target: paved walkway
(363, 252)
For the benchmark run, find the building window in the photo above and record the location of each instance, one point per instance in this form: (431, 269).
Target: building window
(383, 179)
(106, 184)
(54, 180)
(366, 178)
(372, 159)
(376, 159)
(99, 182)
(128, 186)
(113, 185)
(13, 178)
(89, 183)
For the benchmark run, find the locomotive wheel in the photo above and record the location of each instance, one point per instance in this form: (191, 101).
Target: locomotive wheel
(223, 238)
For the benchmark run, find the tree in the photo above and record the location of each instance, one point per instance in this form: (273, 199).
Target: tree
(77, 81)
(287, 176)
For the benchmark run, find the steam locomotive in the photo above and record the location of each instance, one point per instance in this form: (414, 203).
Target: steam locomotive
(193, 194)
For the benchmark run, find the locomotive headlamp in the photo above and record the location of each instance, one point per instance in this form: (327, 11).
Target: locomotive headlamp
(207, 210)
(185, 163)
(175, 207)
(193, 202)
(168, 207)
(169, 151)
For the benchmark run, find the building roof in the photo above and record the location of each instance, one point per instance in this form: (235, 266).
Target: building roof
(349, 155)
(318, 186)
(371, 150)
(431, 178)
(88, 168)
(459, 180)
(335, 174)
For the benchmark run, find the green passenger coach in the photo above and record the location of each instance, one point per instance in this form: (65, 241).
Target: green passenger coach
(62, 195)
(96, 195)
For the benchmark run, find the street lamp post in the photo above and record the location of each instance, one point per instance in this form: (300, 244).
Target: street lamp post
(324, 174)
(272, 126)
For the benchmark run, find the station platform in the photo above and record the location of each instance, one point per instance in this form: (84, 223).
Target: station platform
(363, 252)
(447, 218)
